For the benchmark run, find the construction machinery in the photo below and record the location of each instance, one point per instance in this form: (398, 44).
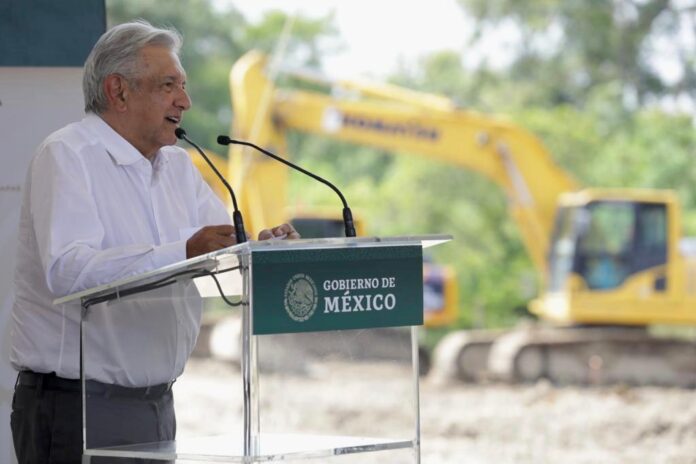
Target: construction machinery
(611, 261)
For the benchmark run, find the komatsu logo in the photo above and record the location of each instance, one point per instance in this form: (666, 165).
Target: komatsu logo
(333, 121)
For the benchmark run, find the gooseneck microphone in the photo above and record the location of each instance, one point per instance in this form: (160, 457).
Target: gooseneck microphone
(239, 231)
(347, 214)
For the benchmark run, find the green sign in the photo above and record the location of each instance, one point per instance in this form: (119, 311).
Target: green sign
(336, 289)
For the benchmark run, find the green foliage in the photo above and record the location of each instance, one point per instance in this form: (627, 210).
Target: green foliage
(644, 149)
(302, 46)
(570, 46)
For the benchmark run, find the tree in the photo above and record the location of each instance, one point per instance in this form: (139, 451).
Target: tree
(575, 46)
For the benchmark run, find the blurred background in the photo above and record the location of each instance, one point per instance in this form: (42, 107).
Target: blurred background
(608, 86)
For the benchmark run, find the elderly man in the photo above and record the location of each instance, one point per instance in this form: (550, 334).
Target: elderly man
(105, 198)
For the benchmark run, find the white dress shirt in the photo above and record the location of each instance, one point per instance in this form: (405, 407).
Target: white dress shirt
(96, 210)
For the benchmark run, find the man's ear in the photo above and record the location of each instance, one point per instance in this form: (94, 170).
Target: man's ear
(117, 92)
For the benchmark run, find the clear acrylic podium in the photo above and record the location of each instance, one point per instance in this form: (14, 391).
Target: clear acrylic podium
(329, 292)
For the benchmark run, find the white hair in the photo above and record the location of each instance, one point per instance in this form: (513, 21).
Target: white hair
(117, 52)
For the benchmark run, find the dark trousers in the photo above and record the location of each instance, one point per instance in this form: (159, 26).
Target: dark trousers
(46, 422)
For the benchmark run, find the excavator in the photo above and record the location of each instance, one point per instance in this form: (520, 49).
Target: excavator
(612, 262)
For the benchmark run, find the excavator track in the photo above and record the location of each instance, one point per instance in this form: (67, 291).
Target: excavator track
(571, 356)
(463, 355)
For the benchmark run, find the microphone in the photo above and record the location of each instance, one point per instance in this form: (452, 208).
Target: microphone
(239, 232)
(347, 214)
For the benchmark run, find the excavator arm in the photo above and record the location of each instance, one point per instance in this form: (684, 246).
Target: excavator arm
(605, 256)
(399, 121)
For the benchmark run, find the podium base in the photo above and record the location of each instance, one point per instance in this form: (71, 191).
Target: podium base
(271, 447)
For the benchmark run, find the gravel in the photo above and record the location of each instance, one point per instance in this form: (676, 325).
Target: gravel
(460, 423)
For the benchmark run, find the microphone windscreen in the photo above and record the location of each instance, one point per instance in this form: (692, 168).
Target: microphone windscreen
(179, 132)
(223, 140)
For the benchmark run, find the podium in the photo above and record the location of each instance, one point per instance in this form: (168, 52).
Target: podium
(335, 290)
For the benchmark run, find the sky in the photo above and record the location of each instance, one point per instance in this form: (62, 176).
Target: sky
(377, 34)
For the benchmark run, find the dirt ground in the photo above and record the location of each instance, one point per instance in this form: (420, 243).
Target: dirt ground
(493, 423)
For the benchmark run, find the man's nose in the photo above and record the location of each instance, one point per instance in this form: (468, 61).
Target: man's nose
(183, 100)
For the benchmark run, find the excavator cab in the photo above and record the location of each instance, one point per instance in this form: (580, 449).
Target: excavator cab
(605, 242)
(610, 257)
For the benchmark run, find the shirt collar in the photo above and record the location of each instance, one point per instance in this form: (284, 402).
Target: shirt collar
(120, 149)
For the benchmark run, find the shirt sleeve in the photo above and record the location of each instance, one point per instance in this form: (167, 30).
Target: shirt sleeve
(69, 231)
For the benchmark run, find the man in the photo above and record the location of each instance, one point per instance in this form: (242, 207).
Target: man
(105, 198)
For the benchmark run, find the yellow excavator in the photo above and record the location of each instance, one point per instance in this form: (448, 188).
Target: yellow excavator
(611, 261)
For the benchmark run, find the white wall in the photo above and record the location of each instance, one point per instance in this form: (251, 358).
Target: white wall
(33, 103)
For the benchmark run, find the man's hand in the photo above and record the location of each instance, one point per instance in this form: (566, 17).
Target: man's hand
(283, 231)
(210, 238)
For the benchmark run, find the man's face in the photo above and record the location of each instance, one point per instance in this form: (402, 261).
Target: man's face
(157, 100)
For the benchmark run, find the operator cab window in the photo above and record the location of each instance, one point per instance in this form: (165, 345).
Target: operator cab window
(620, 239)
